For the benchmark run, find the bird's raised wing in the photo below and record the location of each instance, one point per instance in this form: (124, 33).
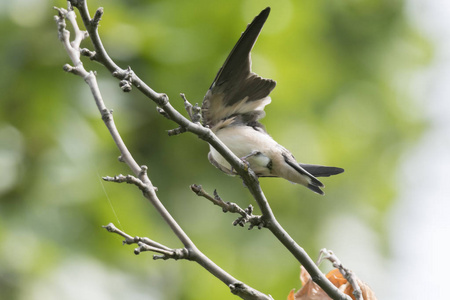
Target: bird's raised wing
(237, 91)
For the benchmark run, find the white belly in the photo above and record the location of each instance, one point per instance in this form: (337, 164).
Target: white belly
(242, 141)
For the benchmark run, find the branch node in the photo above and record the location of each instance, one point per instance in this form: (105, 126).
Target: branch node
(167, 253)
(194, 111)
(142, 176)
(116, 74)
(88, 53)
(206, 135)
(130, 179)
(68, 68)
(176, 131)
(132, 241)
(162, 100)
(216, 195)
(237, 288)
(127, 79)
(125, 85)
(97, 17)
(143, 171)
(246, 214)
(197, 189)
(163, 113)
(106, 115)
(60, 17)
(197, 114)
(142, 184)
(110, 227)
(176, 254)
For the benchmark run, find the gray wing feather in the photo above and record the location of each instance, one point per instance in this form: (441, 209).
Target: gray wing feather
(235, 83)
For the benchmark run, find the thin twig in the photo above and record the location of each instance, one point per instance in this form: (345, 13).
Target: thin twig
(247, 215)
(194, 111)
(347, 273)
(146, 244)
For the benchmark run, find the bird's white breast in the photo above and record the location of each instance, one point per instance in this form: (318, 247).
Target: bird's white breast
(244, 140)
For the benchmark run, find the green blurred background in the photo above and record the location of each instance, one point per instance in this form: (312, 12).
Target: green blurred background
(342, 98)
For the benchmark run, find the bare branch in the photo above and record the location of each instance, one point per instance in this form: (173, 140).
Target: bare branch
(146, 244)
(194, 111)
(246, 214)
(130, 179)
(189, 251)
(128, 78)
(347, 273)
(97, 17)
(163, 113)
(173, 254)
(176, 131)
(88, 53)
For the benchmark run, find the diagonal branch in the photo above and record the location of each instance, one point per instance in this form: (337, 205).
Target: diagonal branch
(190, 251)
(162, 100)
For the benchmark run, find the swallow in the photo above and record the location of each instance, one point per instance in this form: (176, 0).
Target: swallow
(232, 108)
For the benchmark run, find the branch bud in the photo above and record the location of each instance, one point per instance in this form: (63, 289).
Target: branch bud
(97, 17)
(125, 85)
(68, 68)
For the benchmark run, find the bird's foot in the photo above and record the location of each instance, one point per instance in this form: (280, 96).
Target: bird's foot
(244, 160)
(253, 153)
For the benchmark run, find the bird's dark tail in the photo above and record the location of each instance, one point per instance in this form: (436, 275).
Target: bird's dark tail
(321, 171)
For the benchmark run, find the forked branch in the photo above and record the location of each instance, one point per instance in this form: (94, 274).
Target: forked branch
(128, 79)
(141, 180)
(246, 214)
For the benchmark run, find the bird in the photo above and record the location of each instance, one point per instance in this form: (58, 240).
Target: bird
(232, 108)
